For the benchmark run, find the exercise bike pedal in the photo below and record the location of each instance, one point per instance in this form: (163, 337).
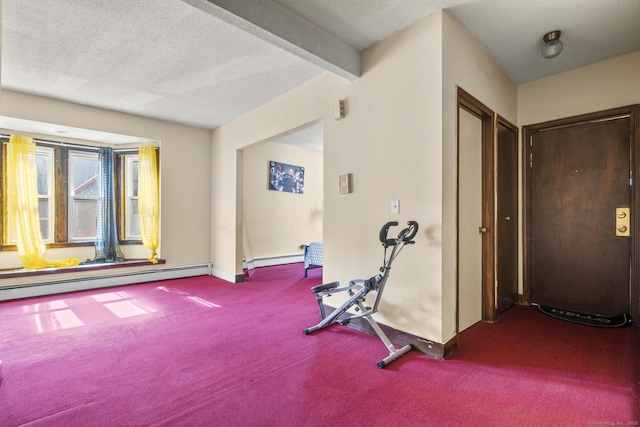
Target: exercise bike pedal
(325, 287)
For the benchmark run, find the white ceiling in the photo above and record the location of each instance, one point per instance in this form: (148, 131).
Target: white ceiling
(512, 30)
(206, 62)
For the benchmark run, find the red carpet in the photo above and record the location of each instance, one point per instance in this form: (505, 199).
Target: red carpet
(202, 351)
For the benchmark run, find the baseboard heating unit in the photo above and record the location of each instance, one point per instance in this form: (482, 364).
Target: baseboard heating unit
(26, 290)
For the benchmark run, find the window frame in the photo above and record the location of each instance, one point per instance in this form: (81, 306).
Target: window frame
(50, 196)
(75, 199)
(128, 159)
(60, 183)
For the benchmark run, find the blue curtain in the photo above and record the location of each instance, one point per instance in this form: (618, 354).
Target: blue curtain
(107, 245)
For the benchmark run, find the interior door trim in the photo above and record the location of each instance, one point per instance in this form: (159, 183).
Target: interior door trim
(631, 111)
(469, 103)
(507, 124)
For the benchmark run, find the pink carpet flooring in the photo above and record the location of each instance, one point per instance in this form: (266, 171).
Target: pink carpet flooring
(204, 352)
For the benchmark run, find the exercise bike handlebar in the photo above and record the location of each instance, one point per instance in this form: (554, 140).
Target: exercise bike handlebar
(405, 236)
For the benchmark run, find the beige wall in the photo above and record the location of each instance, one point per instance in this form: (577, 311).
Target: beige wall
(398, 141)
(601, 86)
(278, 223)
(467, 65)
(185, 176)
(391, 142)
(391, 130)
(305, 105)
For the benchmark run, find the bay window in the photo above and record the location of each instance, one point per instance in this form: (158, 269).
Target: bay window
(68, 190)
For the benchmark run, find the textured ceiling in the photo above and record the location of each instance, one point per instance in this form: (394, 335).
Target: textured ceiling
(164, 59)
(206, 62)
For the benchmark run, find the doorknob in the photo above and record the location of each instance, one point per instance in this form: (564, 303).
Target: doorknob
(623, 222)
(482, 230)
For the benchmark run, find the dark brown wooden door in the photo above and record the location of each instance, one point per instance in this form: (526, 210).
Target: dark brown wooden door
(579, 175)
(507, 216)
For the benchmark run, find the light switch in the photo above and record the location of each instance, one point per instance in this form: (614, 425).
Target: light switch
(345, 183)
(395, 206)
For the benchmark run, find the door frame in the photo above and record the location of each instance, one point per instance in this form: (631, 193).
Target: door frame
(633, 112)
(489, 135)
(516, 223)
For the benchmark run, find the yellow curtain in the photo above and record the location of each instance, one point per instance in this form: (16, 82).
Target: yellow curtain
(22, 204)
(148, 200)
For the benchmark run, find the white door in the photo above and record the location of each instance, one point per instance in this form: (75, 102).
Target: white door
(469, 219)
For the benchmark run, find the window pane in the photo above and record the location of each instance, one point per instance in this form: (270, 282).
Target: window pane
(134, 181)
(43, 212)
(43, 208)
(42, 164)
(133, 227)
(83, 225)
(85, 176)
(44, 229)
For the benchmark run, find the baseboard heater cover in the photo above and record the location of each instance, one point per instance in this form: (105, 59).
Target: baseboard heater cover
(278, 260)
(257, 262)
(26, 290)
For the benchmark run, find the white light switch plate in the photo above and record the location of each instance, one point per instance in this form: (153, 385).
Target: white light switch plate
(395, 206)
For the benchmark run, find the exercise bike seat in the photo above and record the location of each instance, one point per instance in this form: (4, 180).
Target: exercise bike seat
(325, 287)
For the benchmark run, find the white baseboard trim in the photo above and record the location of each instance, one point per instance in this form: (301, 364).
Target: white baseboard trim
(223, 275)
(26, 290)
(257, 262)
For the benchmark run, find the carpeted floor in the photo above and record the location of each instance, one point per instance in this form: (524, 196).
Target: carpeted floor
(201, 351)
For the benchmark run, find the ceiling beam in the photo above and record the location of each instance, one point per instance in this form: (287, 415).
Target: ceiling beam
(281, 27)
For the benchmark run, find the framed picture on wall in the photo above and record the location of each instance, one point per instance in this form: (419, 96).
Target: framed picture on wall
(286, 178)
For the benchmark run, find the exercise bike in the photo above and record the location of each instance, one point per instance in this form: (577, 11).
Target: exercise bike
(358, 290)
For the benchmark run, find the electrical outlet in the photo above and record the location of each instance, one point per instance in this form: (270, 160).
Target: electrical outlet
(395, 206)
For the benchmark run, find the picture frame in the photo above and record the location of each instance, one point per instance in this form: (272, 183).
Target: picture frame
(286, 178)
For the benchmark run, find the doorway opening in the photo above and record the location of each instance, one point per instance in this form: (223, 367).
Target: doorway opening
(277, 224)
(487, 216)
(579, 172)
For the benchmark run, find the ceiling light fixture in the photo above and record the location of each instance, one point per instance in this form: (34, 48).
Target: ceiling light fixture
(552, 44)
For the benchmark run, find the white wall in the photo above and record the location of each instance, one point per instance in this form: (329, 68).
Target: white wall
(185, 171)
